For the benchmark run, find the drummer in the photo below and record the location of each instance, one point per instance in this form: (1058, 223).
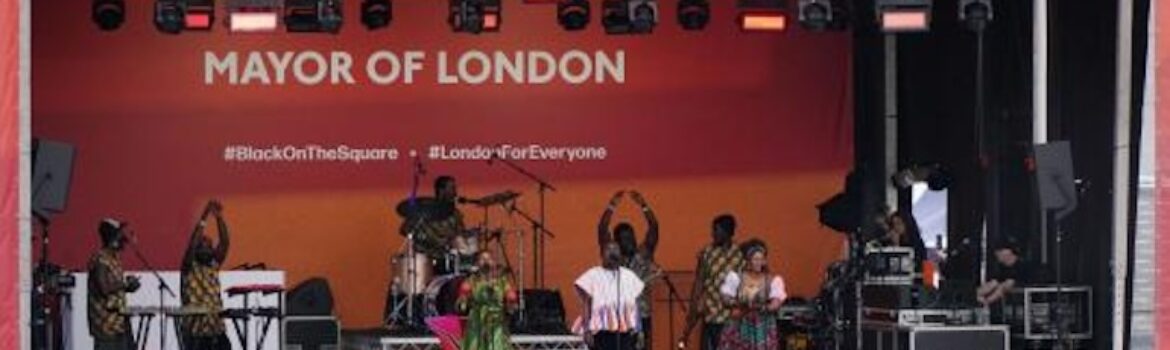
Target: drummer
(437, 224)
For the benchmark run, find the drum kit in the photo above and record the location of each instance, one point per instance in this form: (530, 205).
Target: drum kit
(428, 285)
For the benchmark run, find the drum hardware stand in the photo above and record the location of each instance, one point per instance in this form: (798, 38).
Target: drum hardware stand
(411, 290)
(405, 286)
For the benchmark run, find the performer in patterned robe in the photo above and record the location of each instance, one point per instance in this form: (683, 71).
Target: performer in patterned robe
(487, 295)
(754, 295)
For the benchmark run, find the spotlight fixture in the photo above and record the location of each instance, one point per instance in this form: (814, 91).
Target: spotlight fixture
(762, 15)
(615, 16)
(903, 15)
(377, 13)
(174, 16)
(975, 13)
(643, 15)
(108, 14)
(629, 16)
(694, 14)
(474, 16)
(312, 16)
(815, 14)
(573, 15)
(253, 16)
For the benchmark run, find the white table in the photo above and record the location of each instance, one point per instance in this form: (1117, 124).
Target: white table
(77, 326)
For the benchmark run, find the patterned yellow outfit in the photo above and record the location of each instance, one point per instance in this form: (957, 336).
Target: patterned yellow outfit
(105, 311)
(717, 262)
(201, 289)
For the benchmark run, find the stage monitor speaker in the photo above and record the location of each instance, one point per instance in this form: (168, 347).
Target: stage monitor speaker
(313, 297)
(1055, 179)
(52, 168)
(544, 312)
(312, 333)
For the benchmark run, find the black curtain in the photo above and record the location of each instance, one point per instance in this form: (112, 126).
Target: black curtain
(989, 155)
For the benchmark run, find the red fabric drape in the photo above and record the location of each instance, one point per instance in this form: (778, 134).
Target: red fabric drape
(10, 331)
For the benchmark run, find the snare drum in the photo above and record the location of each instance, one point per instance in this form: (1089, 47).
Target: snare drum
(408, 281)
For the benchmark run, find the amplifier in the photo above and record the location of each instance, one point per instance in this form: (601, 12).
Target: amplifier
(885, 337)
(1034, 313)
(925, 317)
(312, 333)
(890, 266)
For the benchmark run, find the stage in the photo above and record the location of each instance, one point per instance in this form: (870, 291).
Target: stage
(383, 340)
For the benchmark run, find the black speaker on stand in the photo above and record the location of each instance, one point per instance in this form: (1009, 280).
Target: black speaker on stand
(1056, 185)
(52, 168)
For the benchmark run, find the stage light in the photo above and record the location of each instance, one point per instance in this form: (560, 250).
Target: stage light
(573, 14)
(108, 14)
(173, 16)
(903, 15)
(199, 14)
(615, 16)
(763, 21)
(253, 16)
(312, 16)
(694, 14)
(377, 13)
(762, 16)
(643, 15)
(629, 16)
(975, 13)
(475, 16)
(815, 14)
(168, 16)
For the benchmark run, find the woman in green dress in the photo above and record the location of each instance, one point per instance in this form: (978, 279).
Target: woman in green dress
(487, 296)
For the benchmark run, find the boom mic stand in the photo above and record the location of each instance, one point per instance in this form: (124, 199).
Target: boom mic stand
(162, 287)
(539, 228)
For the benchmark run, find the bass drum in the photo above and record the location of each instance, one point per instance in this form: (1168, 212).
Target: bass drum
(442, 295)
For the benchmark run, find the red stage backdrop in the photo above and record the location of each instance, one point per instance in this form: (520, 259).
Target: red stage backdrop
(701, 122)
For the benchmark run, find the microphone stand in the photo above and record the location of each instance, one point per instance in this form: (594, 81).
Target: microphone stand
(162, 287)
(672, 295)
(538, 230)
(538, 225)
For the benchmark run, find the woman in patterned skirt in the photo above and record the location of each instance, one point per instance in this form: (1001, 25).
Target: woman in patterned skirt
(755, 295)
(487, 296)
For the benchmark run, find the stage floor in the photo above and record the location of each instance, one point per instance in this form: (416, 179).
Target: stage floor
(384, 340)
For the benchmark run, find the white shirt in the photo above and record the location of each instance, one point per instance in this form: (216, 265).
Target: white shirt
(730, 287)
(614, 295)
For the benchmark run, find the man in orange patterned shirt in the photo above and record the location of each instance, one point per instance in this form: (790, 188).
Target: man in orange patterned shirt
(200, 284)
(106, 291)
(715, 261)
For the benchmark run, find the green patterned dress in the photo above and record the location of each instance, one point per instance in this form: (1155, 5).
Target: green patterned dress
(486, 300)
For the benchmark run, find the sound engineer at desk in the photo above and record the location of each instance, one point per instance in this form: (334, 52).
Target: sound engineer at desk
(1012, 272)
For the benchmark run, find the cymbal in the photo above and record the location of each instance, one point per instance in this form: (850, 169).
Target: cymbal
(494, 198)
(427, 207)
